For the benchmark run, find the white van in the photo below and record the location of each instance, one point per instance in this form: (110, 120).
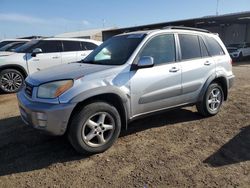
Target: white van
(40, 54)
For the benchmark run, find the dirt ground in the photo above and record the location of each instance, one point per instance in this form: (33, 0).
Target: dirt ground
(174, 149)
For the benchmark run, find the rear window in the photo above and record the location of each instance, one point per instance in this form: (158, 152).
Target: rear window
(213, 46)
(70, 46)
(190, 47)
(203, 47)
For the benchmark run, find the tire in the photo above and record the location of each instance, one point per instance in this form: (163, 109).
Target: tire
(95, 121)
(211, 101)
(11, 81)
(240, 58)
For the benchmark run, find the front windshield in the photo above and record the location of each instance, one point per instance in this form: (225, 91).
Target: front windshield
(11, 47)
(115, 51)
(6, 47)
(25, 48)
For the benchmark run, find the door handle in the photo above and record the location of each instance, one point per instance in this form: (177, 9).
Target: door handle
(174, 69)
(55, 57)
(207, 63)
(83, 54)
(35, 59)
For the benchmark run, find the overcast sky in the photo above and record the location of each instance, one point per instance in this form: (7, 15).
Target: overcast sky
(49, 17)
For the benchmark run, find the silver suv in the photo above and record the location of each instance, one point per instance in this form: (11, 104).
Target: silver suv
(129, 76)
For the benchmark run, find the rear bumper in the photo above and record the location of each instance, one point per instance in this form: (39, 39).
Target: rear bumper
(230, 81)
(51, 118)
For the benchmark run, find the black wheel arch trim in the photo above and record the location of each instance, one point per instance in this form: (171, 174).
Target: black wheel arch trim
(106, 90)
(211, 79)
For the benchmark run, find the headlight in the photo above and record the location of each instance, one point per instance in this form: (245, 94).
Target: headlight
(54, 89)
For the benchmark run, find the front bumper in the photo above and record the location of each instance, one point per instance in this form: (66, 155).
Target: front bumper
(51, 118)
(235, 55)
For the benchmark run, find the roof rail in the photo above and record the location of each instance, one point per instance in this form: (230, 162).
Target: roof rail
(187, 28)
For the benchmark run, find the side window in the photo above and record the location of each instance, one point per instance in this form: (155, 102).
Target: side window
(190, 47)
(213, 46)
(70, 46)
(161, 48)
(203, 47)
(49, 46)
(88, 46)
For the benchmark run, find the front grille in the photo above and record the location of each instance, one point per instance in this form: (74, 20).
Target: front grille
(231, 50)
(28, 89)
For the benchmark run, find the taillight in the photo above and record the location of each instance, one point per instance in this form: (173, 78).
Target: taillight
(231, 61)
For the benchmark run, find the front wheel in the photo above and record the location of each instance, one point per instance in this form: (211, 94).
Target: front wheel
(11, 81)
(212, 100)
(95, 128)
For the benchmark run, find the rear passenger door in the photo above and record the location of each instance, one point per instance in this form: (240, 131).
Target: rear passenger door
(70, 50)
(196, 65)
(50, 56)
(87, 48)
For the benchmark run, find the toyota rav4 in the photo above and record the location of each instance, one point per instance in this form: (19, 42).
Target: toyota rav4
(129, 76)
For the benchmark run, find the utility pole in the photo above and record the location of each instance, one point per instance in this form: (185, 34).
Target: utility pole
(217, 8)
(103, 23)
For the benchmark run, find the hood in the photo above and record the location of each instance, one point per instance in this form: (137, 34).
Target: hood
(66, 71)
(232, 48)
(6, 53)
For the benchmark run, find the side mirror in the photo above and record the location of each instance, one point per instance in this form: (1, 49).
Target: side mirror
(36, 51)
(145, 62)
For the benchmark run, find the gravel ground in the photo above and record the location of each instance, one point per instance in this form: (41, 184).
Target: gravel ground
(174, 149)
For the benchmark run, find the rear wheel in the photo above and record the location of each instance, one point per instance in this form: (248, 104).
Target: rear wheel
(11, 81)
(240, 58)
(95, 128)
(212, 100)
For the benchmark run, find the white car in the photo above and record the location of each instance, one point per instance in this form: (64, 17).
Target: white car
(239, 51)
(40, 54)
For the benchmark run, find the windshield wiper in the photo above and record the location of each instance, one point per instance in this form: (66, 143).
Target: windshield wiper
(88, 62)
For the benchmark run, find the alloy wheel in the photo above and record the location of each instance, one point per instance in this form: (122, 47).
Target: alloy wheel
(11, 82)
(98, 129)
(214, 99)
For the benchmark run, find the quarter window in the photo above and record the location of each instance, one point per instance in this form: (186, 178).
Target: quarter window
(161, 48)
(88, 46)
(213, 46)
(190, 47)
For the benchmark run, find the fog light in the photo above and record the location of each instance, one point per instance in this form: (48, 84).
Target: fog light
(42, 123)
(41, 116)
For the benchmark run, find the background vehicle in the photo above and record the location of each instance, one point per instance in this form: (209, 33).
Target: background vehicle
(239, 51)
(127, 77)
(40, 54)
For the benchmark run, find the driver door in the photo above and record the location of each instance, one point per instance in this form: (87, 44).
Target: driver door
(157, 87)
(50, 56)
